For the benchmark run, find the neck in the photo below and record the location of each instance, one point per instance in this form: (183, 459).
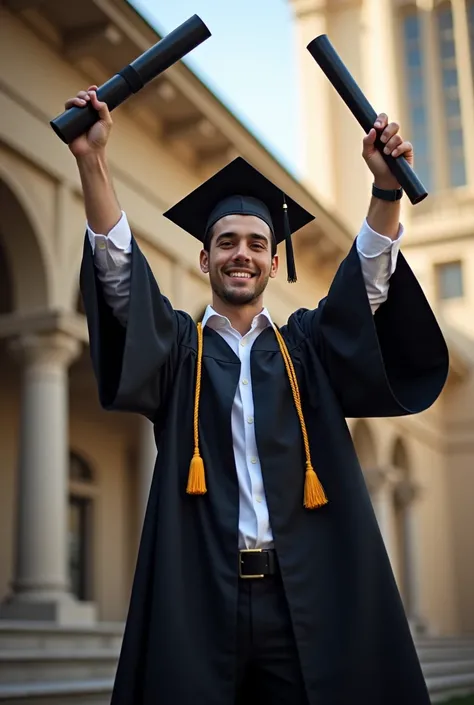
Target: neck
(241, 317)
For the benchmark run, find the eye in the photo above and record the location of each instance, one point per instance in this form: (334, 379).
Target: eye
(225, 243)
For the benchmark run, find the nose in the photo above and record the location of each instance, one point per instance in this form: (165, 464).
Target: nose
(242, 252)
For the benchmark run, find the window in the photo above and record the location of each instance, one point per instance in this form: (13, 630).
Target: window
(432, 91)
(81, 491)
(450, 280)
(450, 90)
(416, 96)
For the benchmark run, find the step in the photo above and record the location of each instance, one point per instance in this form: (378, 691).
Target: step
(446, 654)
(47, 665)
(92, 692)
(39, 635)
(442, 688)
(448, 668)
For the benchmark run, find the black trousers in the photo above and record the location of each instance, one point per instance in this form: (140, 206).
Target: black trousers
(268, 666)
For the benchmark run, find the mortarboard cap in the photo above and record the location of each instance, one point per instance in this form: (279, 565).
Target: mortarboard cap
(239, 188)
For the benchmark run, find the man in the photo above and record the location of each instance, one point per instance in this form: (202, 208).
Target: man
(262, 575)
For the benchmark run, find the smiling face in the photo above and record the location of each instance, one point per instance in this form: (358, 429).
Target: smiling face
(240, 260)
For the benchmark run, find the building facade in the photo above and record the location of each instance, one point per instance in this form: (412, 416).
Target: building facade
(74, 479)
(414, 61)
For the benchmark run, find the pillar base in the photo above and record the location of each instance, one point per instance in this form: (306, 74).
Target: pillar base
(65, 611)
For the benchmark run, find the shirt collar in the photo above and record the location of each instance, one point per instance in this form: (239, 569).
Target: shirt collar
(216, 320)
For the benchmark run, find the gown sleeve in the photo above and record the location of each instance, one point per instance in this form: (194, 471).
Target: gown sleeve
(391, 363)
(133, 364)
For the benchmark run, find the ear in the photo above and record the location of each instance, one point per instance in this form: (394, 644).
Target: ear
(274, 267)
(204, 261)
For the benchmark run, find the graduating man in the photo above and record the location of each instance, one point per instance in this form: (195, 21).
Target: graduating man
(262, 574)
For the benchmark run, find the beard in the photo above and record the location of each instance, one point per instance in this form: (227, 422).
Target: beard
(236, 297)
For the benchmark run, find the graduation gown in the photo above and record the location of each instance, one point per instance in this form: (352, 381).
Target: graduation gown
(353, 639)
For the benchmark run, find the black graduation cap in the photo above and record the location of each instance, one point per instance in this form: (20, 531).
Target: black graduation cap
(240, 189)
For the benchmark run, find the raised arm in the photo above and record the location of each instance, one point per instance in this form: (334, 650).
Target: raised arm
(133, 329)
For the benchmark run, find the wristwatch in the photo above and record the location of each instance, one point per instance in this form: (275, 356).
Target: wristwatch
(387, 195)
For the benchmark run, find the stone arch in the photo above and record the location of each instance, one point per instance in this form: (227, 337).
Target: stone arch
(22, 251)
(364, 443)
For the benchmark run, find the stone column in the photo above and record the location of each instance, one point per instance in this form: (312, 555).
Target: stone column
(146, 464)
(40, 584)
(462, 43)
(407, 495)
(380, 484)
(315, 97)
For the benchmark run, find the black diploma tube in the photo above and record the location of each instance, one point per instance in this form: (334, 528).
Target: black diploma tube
(326, 56)
(76, 121)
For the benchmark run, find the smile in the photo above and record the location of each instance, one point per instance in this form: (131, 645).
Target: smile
(240, 275)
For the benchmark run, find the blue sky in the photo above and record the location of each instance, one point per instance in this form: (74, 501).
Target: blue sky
(249, 63)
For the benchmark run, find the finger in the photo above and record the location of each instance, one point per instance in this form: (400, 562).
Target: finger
(381, 121)
(392, 144)
(405, 148)
(77, 101)
(389, 131)
(93, 88)
(100, 106)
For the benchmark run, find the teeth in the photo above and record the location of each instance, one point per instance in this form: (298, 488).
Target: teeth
(241, 275)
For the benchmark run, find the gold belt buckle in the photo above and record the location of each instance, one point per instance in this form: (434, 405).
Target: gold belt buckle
(248, 550)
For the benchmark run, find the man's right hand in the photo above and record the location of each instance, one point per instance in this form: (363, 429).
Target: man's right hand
(95, 139)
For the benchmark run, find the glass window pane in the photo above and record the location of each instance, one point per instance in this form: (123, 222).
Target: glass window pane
(450, 281)
(450, 87)
(458, 174)
(411, 27)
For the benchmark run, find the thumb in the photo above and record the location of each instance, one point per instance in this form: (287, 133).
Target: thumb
(368, 142)
(100, 106)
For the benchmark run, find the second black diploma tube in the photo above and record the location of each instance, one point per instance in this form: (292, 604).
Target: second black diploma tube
(331, 64)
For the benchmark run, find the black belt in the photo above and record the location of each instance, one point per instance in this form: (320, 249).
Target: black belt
(257, 563)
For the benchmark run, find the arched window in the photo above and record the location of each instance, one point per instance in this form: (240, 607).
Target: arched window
(80, 526)
(6, 288)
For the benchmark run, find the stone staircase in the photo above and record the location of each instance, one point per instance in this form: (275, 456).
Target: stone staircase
(41, 664)
(448, 665)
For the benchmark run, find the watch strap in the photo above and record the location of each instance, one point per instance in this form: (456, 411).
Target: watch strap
(387, 194)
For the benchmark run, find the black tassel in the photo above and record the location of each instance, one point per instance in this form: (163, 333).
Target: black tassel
(290, 257)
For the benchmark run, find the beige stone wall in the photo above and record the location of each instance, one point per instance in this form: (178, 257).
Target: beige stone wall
(440, 442)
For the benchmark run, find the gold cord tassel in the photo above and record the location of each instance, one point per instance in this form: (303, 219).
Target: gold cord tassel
(314, 495)
(196, 477)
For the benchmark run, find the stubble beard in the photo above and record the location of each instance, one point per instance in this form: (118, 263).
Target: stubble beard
(233, 297)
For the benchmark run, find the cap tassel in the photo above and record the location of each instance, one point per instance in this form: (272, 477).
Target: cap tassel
(290, 257)
(314, 495)
(197, 476)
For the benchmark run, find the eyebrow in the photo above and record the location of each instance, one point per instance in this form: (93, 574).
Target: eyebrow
(252, 236)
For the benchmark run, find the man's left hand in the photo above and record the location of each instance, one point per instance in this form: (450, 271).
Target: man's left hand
(394, 145)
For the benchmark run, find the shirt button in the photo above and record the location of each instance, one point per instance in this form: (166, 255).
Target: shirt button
(101, 244)
(249, 419)
(243, 342)
(253, 460)
(258, 499)
(245, 381)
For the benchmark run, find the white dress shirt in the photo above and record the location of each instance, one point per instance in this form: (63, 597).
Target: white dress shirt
(112, 257)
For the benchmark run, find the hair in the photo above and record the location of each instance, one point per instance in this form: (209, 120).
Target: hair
(210, 234)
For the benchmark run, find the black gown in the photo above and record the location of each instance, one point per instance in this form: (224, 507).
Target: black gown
(352, 634)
